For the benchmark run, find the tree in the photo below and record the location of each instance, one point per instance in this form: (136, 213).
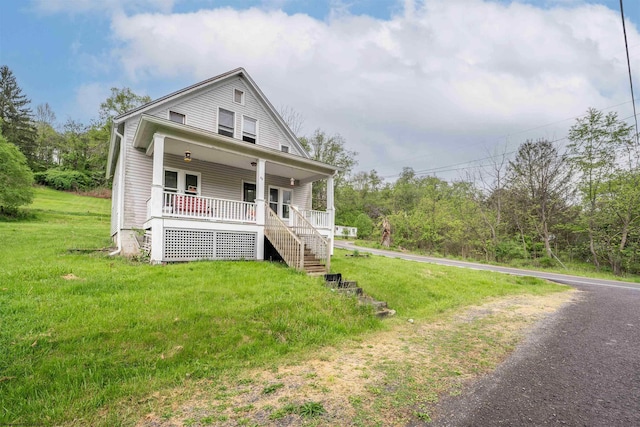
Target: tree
(16, 178)
(17, 126)
(49, 142)
(292, 118)
(331, 150)
(120, 101)
(541, 178)
(595, 140)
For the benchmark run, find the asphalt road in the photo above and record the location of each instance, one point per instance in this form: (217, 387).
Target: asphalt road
(581, 367)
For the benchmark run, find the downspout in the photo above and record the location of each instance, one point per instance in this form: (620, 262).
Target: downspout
(118, 236)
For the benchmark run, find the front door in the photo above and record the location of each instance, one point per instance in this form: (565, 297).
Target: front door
(249, 192)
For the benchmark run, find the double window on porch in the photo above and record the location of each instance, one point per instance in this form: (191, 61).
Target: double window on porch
(279, 198)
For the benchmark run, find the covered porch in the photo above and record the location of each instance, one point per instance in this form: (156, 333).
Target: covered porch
(210, 187)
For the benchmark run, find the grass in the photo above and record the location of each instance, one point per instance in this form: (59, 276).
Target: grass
(582, 269)
(423, 291)
(86, 338)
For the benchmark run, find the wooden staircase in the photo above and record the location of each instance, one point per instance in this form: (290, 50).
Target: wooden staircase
(313, 265)
(300, 245)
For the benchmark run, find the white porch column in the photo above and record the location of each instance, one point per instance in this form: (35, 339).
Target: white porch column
(157, 196)
(331, 210)
(260, 206)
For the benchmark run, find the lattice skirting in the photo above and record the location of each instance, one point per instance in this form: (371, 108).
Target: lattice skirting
(186, 245)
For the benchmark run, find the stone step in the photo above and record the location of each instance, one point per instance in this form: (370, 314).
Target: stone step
(347, 287)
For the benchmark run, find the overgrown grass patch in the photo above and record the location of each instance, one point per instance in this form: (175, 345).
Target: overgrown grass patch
(420, 290)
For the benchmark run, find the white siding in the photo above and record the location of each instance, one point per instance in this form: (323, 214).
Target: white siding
(201, 111)
(137, 179)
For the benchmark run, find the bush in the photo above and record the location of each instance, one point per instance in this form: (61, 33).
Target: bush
(68, 180)
(546, 262)
(507, 250)
(364, 225)
(16, 178)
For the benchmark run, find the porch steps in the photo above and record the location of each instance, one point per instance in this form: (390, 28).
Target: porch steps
(312, 265)
(335, 282)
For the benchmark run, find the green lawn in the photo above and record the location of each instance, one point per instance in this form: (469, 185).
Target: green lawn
(84, 337)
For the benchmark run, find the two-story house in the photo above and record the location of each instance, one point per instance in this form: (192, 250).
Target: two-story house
(213, 172)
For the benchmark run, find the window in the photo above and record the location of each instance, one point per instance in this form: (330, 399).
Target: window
(226, 122)
(280, 201)
(249, 129)
(181, 181)
(177, 117)
(171, 181)
(191, 184)
(284, 148)
(238, 96)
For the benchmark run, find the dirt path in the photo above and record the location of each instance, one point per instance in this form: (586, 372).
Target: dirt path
(395, 377)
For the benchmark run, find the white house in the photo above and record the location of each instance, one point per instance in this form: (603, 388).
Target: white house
(213, 172)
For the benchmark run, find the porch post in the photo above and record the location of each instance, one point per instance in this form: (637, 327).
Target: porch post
(157, 199)
(260, 206)
(331, 210)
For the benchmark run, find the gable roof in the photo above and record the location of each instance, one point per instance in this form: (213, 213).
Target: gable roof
(238, 72)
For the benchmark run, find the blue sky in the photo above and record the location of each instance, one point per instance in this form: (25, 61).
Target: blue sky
(407, 83)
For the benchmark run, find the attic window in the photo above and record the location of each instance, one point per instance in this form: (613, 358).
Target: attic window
(249, 129)
(225, 122)
(177, 117)
(284, 148)
(238, 96)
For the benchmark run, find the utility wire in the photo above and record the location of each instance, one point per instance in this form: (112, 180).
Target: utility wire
(500, 137)
(453, 167)
(626, 46)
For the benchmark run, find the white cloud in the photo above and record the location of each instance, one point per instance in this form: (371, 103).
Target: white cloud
(435, 84)
(88, 98)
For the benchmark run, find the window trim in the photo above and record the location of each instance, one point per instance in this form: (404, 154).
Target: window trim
(234, 122)
(288, 147)
(235, 90)
(182, 180)
(184, 116)
(243, 131)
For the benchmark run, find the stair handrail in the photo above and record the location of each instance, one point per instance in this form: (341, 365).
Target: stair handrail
(286, 242)
(311, 237)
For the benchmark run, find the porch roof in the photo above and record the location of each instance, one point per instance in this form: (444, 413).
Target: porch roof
(213, 147)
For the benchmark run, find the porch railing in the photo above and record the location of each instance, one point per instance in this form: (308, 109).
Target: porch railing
(288, 245)
(312, 239)
(318, 219)
(208, 208)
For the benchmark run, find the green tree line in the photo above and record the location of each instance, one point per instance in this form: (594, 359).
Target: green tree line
(66, 156)
(545, 206)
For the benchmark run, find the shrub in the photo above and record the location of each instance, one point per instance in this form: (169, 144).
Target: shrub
(546, 262)
(364, 225)
(507, 250)
(68, 180)
(16, 178)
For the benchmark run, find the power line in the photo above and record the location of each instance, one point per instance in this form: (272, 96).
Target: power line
(452, 167)
(503, 136)
(626, 47)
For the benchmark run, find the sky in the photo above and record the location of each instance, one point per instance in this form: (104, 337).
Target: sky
(437, 85)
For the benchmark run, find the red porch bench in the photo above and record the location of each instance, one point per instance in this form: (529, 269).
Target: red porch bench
(190, 205)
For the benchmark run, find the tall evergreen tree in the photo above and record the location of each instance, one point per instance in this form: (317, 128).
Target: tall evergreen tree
(17, 124)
